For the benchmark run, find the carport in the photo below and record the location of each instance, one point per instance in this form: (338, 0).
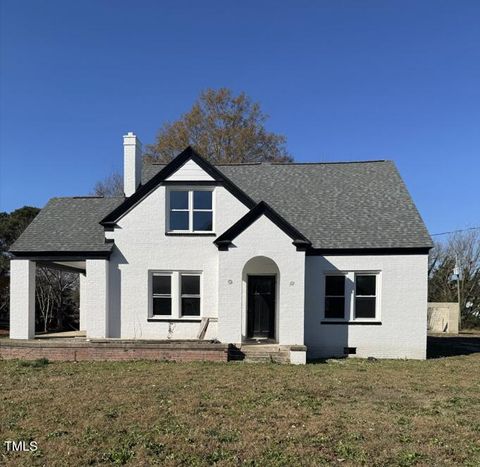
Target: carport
(65, 235)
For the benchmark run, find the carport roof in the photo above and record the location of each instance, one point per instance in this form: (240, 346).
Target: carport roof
(68, 226)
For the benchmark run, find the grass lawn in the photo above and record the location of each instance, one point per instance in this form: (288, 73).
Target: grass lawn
(347, 412)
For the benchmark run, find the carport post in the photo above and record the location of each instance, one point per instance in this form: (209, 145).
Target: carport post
(83, 302)
(97, 298)
(22, 299)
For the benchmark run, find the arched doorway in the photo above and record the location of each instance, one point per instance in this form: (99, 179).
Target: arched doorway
(261, 281)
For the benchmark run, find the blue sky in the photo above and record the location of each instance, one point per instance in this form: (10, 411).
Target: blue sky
(343, 80)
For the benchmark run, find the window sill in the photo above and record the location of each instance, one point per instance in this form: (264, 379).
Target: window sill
(175, 320)
(191, 234)
(351, 323)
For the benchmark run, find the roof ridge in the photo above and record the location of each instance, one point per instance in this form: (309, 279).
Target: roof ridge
(239, 163)
(87, 197)
(227, 164)
(330, 162)
(242, 164)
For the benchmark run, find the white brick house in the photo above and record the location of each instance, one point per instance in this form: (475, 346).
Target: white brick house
(327, 259)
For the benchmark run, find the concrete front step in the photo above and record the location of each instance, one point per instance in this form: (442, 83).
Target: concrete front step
(259, 353)
(262, 358)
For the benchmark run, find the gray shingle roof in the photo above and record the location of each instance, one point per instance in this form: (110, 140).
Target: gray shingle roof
(150, 169)
(335, 205)
(68, 225)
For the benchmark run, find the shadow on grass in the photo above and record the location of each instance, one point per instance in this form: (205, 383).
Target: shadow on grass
(450, 346)
(438, 346)
(318, 360)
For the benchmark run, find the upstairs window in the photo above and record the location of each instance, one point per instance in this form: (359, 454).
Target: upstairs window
(191, 211)
(335, 296)
(179, 210)
(365, 295)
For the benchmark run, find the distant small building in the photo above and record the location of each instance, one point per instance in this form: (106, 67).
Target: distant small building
(443, 317)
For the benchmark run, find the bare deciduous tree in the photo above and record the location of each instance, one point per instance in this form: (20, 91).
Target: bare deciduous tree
(462, 249)
(222, 127)
(109, 187)
(55, 291)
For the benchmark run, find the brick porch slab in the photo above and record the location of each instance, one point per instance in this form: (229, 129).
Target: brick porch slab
(112, 349)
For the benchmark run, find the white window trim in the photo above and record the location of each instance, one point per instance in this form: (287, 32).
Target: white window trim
(152, 295)
(199, 295)
(350, 296)
(190, 209)
(176, 295)
(345, 296)
(376, 318)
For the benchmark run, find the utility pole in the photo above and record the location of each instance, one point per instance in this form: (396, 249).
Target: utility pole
(457, 274)
(459, 309)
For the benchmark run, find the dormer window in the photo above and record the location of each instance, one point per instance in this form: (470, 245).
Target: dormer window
(190, 210)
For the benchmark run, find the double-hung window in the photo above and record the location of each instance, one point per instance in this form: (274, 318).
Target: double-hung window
(365, 295)
(161, 294)
(335, 296)
(191, 211)
(175, 295)
(190, 289)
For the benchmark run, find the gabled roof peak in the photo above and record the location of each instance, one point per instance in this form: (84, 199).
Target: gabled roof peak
(188, 154)
(262, 208)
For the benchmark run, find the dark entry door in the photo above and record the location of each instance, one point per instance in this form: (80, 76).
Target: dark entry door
(261, 307)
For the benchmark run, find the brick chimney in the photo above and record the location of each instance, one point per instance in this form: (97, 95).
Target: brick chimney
(132, 163)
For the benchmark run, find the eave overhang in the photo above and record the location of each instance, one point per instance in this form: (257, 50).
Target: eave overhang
(368, 251)
(225, 240)
(61, 255)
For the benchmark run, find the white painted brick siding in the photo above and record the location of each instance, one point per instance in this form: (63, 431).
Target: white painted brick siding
(403, 308)
(263, 238)
(82, 279)
(97, 298)
(22, 299)
(142, 246)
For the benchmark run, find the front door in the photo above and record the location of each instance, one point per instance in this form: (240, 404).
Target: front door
(261, 307)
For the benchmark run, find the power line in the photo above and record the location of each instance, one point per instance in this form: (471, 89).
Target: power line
(455, 231)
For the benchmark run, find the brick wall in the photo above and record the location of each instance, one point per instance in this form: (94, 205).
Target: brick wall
(401, 328)
(90, 351)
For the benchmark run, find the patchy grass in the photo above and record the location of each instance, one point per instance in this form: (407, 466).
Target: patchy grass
(39, 363)
(349, 412)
